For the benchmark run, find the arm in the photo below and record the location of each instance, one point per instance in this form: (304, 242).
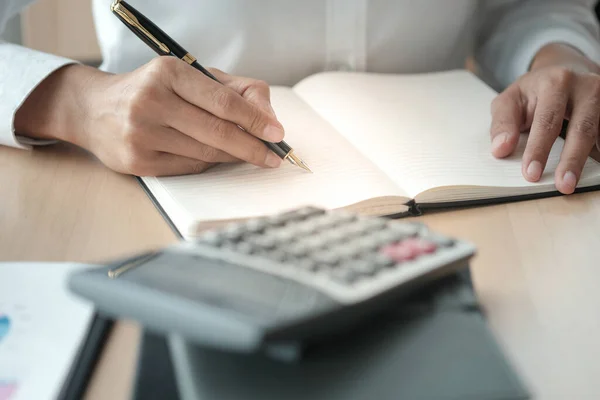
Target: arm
(21, 71)
(544, 55)
(513, 32)
(164, 118)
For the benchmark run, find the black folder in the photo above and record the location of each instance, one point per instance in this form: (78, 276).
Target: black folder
(435, 345)
(86, 359)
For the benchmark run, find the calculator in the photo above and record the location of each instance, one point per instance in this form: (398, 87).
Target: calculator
(290, 277)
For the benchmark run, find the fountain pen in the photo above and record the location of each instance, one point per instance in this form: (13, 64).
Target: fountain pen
(162, 44)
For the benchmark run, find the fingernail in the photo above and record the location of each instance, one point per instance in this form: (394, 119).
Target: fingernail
(273, 133)
(569, 181)
(272, 160)
(534, 170)
(499, 140)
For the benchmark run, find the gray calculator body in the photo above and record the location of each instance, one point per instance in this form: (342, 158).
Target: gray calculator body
(221, 293)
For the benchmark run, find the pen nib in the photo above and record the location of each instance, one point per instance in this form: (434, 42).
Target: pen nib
(294, 159)
(303, 165)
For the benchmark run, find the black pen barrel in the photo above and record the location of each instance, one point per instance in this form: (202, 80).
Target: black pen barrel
(281, 149)
(174, 48)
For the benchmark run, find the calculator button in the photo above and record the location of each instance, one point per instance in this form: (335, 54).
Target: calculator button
(233, 232)
(354, 244)
(340, 234)
(325, 222)
(229, 246)
(298, 249)
(381, 260)
(399, 252)
(309, 212)
(353, 230)
(212, 238)
(277, 255)
(374, 224)
(263, 241)
(276, 220)
(362, 226)
(345, 251)
(244, 248)
(326, 257)
(306, 264)
(333, 236)
(404, 253)
(344, 276)
(368, 243)
(318, 221)
(421, 246)
(256, 225)
(313, 243)
(363, 267)
(385, 236)
(304, 228)
(282, 235)
(403, 230)
(345, 218)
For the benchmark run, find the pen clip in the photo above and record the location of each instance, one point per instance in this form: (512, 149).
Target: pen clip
(121, 269)
(118, 8)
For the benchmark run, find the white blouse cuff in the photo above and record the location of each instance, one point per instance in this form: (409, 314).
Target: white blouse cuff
(21, 71)
(527, 49)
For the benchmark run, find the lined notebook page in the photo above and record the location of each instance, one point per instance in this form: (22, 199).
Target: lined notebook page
(426, 131)
(342, 176)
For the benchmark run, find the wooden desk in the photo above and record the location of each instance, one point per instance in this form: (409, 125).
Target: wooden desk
(537, 271)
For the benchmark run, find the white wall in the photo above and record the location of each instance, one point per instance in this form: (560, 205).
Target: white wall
(62, 27)
(12, 33)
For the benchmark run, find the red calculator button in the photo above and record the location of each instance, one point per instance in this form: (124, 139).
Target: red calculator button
(399, 252)
(421, 246)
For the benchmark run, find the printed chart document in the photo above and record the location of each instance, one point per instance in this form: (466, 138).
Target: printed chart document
(42, 326)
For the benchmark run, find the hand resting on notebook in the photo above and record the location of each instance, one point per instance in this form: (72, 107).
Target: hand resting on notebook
(562, 84)
(165, 118)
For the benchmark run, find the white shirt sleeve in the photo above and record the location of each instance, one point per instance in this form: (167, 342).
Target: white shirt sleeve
(513, 31)
(21, 71)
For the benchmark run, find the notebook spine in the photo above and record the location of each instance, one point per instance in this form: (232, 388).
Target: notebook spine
(413, 209)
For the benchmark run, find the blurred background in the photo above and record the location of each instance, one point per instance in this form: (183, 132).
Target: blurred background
(63, 27)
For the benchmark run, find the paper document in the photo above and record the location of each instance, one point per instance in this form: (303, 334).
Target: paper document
(42, 326)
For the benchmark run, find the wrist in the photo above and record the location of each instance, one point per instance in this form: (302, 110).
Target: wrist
(559, 54)
(58, 107)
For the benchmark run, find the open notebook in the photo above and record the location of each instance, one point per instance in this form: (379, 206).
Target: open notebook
(378, 144)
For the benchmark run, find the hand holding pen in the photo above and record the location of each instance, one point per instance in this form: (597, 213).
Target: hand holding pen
(164, 118)
(241, 105)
